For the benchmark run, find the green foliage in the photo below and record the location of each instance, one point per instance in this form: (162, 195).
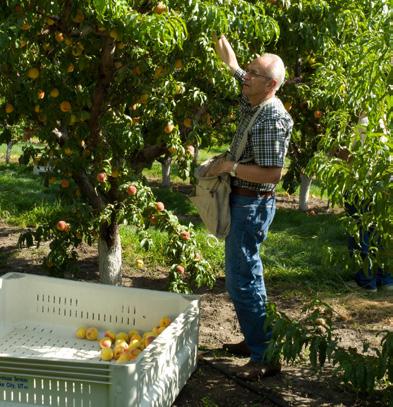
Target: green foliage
(339, 63)
(367, 187)
(314, 335)
(338, 57)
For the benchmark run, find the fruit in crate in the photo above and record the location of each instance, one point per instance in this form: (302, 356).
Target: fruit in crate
(136, 337)
(123, 358)
(80, 333)
(134, 344)
(165, 321)
(110, 334)
(148, 338)
(120, 341)
(119, 349)
(132, 333)
(133, 353)
(91, 334)
(106, 354)
(105, 342)
(122, 335)
(160, 329)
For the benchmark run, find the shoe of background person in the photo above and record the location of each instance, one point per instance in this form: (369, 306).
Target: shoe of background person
(367, 283)
(385, 281)
(254, 371)
(238, 349)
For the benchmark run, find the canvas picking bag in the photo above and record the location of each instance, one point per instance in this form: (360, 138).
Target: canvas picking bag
(211, 197)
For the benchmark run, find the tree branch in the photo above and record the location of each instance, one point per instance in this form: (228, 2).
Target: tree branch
(104, 79)
(88, 190)
(66, 14)
(146, 157)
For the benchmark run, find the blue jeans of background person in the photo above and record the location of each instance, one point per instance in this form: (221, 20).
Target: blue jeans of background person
(250, 221)
(366, 279)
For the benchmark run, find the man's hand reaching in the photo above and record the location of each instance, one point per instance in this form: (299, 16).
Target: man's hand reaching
(226, 52)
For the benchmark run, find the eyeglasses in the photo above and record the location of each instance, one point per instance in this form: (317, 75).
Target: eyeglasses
(254, 74)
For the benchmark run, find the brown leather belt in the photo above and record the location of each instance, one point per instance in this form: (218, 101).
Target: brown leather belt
(250, 192)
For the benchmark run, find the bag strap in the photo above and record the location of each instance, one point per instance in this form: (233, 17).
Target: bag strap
(243, 141)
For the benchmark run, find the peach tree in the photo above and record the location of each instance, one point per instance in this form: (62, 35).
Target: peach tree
(310, 31)
(354, 84)
(108, 87)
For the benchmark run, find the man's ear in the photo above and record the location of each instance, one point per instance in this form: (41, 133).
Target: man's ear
(273, 83)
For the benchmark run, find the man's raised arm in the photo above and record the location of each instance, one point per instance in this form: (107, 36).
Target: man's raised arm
(226, 53)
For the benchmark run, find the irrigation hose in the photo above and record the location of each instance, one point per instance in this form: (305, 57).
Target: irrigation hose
(265, 393)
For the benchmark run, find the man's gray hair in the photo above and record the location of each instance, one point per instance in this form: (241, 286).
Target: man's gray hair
(275, 68)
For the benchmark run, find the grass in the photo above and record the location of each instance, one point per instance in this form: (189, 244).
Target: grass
(15, 152)
(23, 199)
(299, 252)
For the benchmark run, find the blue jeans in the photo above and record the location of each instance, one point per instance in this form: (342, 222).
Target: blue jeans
(250, 221)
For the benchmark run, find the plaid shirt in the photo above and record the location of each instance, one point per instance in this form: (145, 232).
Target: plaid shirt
(268, 138)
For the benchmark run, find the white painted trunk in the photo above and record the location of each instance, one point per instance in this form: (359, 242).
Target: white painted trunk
(166, 172)
(305, 185)
(110, 260)
(8, 152)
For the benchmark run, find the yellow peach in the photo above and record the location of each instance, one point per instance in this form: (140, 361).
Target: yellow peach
(9, 108)
(105, 342)
(81, 333)
(148, 338)
(33, 73)
(135, 343)
(133, 353)
(54, 93)
(123, 358)
(165, 321)
(135, 337)
(155, 330)
(91, 334)
(110, 334)
(132, 332)
(106, 354)
(122, 335)
(119, 349)
(160, 329)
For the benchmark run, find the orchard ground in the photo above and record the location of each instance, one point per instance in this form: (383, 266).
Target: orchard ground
(358, 317)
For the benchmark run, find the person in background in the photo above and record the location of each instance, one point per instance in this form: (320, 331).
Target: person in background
(365, 278)
(252, 200)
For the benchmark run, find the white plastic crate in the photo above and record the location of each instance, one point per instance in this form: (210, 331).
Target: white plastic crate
(43, 364)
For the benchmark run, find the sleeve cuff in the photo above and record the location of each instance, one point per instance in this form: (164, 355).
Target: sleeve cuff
(239, 75)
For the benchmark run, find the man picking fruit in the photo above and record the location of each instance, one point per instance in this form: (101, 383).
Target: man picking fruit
(252, 199)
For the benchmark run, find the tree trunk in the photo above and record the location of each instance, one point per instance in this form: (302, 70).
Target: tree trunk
(8, 152)
(304, 192)
(166, 172)
(109, 255)
(196, 154)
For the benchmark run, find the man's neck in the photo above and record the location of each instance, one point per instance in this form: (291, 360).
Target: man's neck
(258, 100)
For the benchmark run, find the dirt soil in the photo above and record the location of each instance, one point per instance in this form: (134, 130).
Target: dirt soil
(214, 383)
